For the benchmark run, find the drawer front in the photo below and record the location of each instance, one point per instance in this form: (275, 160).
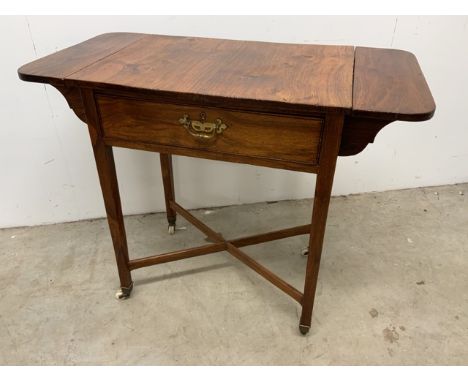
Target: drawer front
(211, 129)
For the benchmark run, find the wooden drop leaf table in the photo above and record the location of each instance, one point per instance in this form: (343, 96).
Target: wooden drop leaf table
(289, 106)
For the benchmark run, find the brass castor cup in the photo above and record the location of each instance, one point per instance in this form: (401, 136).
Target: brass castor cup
(124, 293)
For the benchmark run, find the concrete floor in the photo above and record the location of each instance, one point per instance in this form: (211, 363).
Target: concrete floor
(392, 288)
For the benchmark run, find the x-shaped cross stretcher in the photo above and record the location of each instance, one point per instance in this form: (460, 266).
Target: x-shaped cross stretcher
(231, 246)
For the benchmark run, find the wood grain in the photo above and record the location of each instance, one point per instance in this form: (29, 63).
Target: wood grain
(176, 255)
(299, 78)
(265, 272)
(291, 139)
(289, 106)
(274, 235)
(168, 184)
(72, 95)
(57, 66)
(196, 153)
(389, 84)
(314, 75)
(358, 132)
(323, 189)
(105, 165)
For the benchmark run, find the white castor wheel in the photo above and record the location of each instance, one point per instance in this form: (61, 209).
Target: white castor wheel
(124, 293)
(171, 229)
(119, 295)
(305, 252)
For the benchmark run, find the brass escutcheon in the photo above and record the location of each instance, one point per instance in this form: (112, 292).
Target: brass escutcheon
(202, 129)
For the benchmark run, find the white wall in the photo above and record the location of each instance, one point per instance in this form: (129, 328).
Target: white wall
(47, 171)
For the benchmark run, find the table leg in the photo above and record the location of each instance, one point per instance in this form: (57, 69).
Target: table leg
(323, 188)
(169, 194)
(105, 164)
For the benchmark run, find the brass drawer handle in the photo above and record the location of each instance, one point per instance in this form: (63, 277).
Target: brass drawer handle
(202, 129)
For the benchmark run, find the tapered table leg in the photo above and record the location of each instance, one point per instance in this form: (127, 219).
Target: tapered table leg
(169, 194)
(104, 157)
(323, 188)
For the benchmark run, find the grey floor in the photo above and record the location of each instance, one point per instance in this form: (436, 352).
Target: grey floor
(392, 288)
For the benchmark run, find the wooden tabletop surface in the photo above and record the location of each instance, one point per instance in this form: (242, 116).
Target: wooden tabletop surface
(368, 82)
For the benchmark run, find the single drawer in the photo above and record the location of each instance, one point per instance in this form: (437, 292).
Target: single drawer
(245, 134)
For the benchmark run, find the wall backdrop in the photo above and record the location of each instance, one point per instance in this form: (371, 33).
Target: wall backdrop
(47, 171)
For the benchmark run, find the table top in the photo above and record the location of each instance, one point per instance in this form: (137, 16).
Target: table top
(368, 82)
